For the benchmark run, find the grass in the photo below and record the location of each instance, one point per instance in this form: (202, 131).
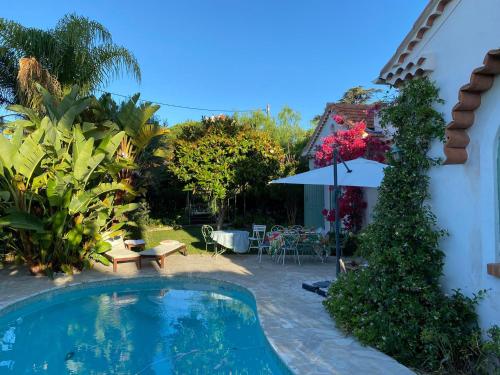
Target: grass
(191, 236)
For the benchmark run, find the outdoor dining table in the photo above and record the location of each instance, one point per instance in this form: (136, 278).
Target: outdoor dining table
(235, 240)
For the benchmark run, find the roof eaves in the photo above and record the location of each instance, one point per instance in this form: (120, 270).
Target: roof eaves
(424, 22)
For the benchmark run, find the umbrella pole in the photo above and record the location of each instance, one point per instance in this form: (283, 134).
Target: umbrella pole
(336, 208)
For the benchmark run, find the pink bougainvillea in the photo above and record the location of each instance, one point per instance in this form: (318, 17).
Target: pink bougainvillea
(338, 119)
(351, 144)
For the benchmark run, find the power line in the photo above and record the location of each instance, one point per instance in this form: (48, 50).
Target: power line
(182, 106)
(169, 104)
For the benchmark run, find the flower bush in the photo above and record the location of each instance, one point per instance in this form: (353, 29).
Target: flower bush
(351, 144)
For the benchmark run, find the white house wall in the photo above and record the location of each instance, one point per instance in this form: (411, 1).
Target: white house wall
(370, 196)
(464, 197)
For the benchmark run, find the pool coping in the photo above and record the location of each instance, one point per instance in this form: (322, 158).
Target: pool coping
(298, 356)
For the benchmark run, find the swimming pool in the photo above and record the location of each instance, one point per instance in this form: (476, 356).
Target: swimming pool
(138, 326)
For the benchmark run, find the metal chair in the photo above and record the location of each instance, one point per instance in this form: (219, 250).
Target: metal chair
(277, 228)
(258, 240)
(275, 244)
(258, 234)
(290, 240)
(206, 231)
(296, 228)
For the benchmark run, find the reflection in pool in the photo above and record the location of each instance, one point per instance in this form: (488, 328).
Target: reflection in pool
(153, 326)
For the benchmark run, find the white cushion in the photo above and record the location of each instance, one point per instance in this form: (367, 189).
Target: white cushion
(135, 242)
(162, 249)
(168, 242)
(122, 254)
(116, 243)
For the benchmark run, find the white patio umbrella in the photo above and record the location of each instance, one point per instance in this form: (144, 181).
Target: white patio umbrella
(363, 173)
(358, 172)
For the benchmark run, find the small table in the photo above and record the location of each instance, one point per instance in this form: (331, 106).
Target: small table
(130, 244)
(235, 240)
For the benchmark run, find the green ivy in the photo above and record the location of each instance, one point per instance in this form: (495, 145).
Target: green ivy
(396, 304)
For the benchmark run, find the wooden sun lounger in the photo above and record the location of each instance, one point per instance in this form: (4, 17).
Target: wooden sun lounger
(164, 249)
(123, 255)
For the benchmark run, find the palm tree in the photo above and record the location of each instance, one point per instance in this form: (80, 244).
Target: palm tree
(77, 51)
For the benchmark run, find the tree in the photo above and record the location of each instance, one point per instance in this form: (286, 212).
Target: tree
(287, 131)
(77, 51)
(220, 156)
(358, 95)
(315, 120)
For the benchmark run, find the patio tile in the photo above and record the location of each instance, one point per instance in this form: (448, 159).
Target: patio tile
(294, 320)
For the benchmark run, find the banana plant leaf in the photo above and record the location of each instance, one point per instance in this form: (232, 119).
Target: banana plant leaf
(22, 220)
(29, 155)
(79, 203)
(31, 114)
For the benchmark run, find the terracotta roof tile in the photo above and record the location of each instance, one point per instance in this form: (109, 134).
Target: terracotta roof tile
(351, 113)
(423, 24)
(469, 99)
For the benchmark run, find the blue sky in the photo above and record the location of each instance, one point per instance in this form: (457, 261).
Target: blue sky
(242, 54)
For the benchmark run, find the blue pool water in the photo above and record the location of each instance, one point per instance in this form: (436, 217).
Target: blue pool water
(149, 326)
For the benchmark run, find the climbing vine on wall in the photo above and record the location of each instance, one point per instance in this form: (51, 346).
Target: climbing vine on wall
(396, 303)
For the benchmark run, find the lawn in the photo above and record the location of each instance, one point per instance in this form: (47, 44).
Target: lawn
(191, 236)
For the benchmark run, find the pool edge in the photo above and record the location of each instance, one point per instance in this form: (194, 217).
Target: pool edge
(12, 305)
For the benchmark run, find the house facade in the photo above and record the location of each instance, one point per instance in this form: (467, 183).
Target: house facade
(316, 198)
(456, 44)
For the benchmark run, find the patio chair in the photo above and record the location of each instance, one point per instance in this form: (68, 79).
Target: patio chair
(206, 231)
(275, 240)
(296, 228)
(120, 254)
(290, 240)
(258, 240)
(277, 228)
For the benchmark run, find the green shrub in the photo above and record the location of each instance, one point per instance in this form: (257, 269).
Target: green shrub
(489, 360)
(350, 244)
(396, 304)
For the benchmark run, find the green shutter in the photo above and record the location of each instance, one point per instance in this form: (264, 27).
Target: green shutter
(314, 201)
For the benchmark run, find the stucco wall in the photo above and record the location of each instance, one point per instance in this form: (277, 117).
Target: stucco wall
(464, 197)
(371, 196)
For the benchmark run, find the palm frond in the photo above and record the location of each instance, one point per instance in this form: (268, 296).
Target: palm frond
(30, 74)
(112, 60)
(8, 72)
(82, 29)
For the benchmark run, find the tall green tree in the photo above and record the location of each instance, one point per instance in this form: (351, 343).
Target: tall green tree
(358, 95)
(77, 51)
(286, 129)
(220, 156)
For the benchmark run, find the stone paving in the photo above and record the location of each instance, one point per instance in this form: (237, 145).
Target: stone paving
(294, 320)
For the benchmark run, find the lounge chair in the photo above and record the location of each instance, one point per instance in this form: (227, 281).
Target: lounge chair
(120, 254)
(165, 248)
